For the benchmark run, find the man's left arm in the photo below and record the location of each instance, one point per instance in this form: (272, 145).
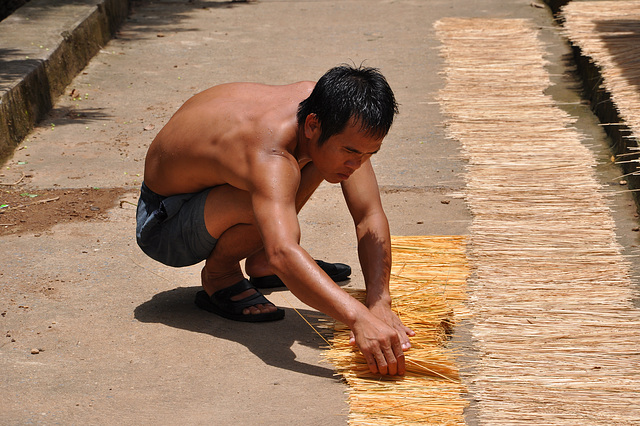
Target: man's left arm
(362, 195)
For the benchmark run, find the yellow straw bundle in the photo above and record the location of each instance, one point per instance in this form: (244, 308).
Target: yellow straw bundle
(427, 286)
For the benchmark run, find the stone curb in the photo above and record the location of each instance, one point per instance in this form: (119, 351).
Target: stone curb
(43, 46)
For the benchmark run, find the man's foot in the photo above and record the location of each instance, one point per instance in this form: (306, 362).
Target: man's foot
(336, 271)
(214, 281)
(225, 303)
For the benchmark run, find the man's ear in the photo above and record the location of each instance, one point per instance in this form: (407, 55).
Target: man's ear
(312, 126)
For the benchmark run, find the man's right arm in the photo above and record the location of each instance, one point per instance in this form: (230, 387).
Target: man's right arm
(275, 183)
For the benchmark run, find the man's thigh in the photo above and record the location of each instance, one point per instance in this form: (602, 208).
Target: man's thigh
(226, 207)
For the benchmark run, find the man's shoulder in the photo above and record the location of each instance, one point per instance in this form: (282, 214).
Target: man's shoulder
(251, 96)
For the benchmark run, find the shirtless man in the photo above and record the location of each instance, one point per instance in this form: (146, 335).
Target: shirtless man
(225, 179)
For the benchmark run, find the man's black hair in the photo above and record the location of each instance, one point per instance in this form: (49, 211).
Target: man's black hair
(346, 92)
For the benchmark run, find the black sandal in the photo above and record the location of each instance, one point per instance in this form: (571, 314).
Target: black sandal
(336, 271)
(220, 303)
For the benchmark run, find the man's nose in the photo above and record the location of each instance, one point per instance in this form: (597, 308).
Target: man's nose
(354, 163)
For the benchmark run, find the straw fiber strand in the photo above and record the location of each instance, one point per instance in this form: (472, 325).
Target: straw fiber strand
(428, 290)
(550, 294)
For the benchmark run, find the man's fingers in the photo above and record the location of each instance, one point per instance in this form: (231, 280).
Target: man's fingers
(392, 361)
(395, 359)
(384, 349)
(371, 362)
(402, 345)
(404, 339)
(387, 362)
(383, 366)
(399, 354)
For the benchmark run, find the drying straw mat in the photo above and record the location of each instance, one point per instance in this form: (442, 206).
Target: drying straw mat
(609, 33)
(428, 289)
(550, 295)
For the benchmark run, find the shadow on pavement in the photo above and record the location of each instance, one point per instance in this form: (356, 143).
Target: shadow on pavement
(14, 63)
(63, 115)
(271, 341)
(166, 15)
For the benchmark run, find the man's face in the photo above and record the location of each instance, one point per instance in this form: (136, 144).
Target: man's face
(344, 153)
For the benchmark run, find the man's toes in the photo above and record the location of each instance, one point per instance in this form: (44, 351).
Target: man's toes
(259, 309)
(251, 310)
(265, 309)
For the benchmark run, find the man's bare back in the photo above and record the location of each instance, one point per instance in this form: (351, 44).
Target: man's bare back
(212, 137)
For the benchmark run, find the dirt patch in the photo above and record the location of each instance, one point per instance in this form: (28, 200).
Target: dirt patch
(35, 210)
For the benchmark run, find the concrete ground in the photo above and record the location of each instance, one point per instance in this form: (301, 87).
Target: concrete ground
(119, 338)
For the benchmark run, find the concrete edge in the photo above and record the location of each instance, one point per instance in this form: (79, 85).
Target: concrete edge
(33, 97)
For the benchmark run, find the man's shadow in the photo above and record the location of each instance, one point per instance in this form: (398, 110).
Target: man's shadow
(270, 341)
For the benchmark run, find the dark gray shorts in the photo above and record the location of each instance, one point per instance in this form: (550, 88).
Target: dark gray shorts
(171, 229)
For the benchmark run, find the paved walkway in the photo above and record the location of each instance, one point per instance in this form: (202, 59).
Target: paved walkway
(119, 334)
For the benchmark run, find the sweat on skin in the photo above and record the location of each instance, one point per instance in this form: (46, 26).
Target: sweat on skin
(253, 154)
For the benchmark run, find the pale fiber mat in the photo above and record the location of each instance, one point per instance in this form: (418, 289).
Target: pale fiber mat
(550, 295)
(609, 33)
(428, 280)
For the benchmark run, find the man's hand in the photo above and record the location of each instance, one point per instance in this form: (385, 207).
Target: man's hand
(380, 345)
(382, 341)
(390, 318)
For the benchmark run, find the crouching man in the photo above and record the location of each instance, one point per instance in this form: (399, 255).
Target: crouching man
(226, 177)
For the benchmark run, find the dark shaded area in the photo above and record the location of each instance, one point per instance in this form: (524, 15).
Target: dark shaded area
(7, 7)
(14, 64)
(622, 39)
(270, 341)
(68, 115)
(157, 18)
(556, 5)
